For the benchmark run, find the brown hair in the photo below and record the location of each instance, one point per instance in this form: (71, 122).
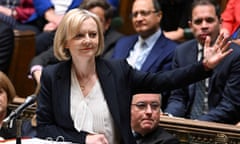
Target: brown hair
(7, 86)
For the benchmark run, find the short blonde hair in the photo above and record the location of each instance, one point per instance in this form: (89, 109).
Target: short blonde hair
(7, 86)
(69, 28)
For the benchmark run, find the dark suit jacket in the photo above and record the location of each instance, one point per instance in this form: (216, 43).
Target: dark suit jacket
(6, 46)
(118, 81)
(224, 86)
(111, 37)
(158, 136)
(159, 58)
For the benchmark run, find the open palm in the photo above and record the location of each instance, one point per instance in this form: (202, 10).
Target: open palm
(214, 54)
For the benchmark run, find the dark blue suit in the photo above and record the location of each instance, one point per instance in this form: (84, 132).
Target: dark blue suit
(159, 58)
(118, 81)
(224, 87)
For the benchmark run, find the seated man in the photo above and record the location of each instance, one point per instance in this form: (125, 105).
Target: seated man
(145, 117)
(6, 46)
(148, 50)
(217, 99)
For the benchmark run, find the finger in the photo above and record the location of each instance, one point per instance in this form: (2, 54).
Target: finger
(105, 141)
(222, 44)
(227, 52)
(219, 39)
(226, 46)
(207, 42)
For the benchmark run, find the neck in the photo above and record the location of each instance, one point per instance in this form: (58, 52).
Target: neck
(84, 68)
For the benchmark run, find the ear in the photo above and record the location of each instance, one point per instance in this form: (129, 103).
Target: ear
(159, 14)
(190, 24)
(107, 24)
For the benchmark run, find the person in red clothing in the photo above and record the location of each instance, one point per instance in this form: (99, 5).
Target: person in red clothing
(231, 20)
(18, 13)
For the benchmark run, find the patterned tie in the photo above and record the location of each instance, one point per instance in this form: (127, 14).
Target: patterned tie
(198, 106)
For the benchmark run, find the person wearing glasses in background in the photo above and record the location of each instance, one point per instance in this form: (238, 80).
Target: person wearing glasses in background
(148, 50)
(145, 118)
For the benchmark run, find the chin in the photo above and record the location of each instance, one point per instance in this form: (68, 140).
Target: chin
(147, 126)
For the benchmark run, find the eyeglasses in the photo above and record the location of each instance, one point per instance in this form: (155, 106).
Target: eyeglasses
(143, 106)
(143, 13)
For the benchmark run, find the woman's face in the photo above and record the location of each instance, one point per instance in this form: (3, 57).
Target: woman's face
(3, 101)
(85, 43)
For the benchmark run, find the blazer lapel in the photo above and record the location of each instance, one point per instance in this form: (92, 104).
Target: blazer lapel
(104, 73)
(63, 76)
(157, 52)
(128, 46)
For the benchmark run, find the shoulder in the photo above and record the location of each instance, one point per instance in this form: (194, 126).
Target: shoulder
(57, 68)
(128, 38)
(112, 63)
(187, 46)
(165, 136)
(112, 32)
(163, 37)
(165, 42)
(235, 55)
(159, 135)
(188, 43)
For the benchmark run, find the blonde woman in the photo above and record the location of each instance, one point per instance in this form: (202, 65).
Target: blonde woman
(86, 99)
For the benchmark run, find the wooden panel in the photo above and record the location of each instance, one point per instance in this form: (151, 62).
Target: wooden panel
(196, 132)
(24, 51)
(125, 11)
(188, 131)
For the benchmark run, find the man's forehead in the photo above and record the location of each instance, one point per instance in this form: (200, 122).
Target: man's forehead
(204, 10)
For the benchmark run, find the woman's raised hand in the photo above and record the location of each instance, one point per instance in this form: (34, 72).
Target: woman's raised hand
(214, 54)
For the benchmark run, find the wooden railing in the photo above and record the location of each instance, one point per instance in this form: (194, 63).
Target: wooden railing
(201, 132)
(186, 130)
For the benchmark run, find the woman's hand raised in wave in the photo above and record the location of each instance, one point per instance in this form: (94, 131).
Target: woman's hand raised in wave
(213, 55)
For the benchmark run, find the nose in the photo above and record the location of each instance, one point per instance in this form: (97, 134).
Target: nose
(148, 109)
(139, 17)
(86, 39)
(204, 23)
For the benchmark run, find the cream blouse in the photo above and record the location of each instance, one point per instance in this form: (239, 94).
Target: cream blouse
(91, 113)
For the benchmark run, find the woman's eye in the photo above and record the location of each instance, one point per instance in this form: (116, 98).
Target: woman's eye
(78, 36)
(92, 35)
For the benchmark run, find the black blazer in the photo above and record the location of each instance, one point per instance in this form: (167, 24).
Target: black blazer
(118, 81)
(158, 136)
